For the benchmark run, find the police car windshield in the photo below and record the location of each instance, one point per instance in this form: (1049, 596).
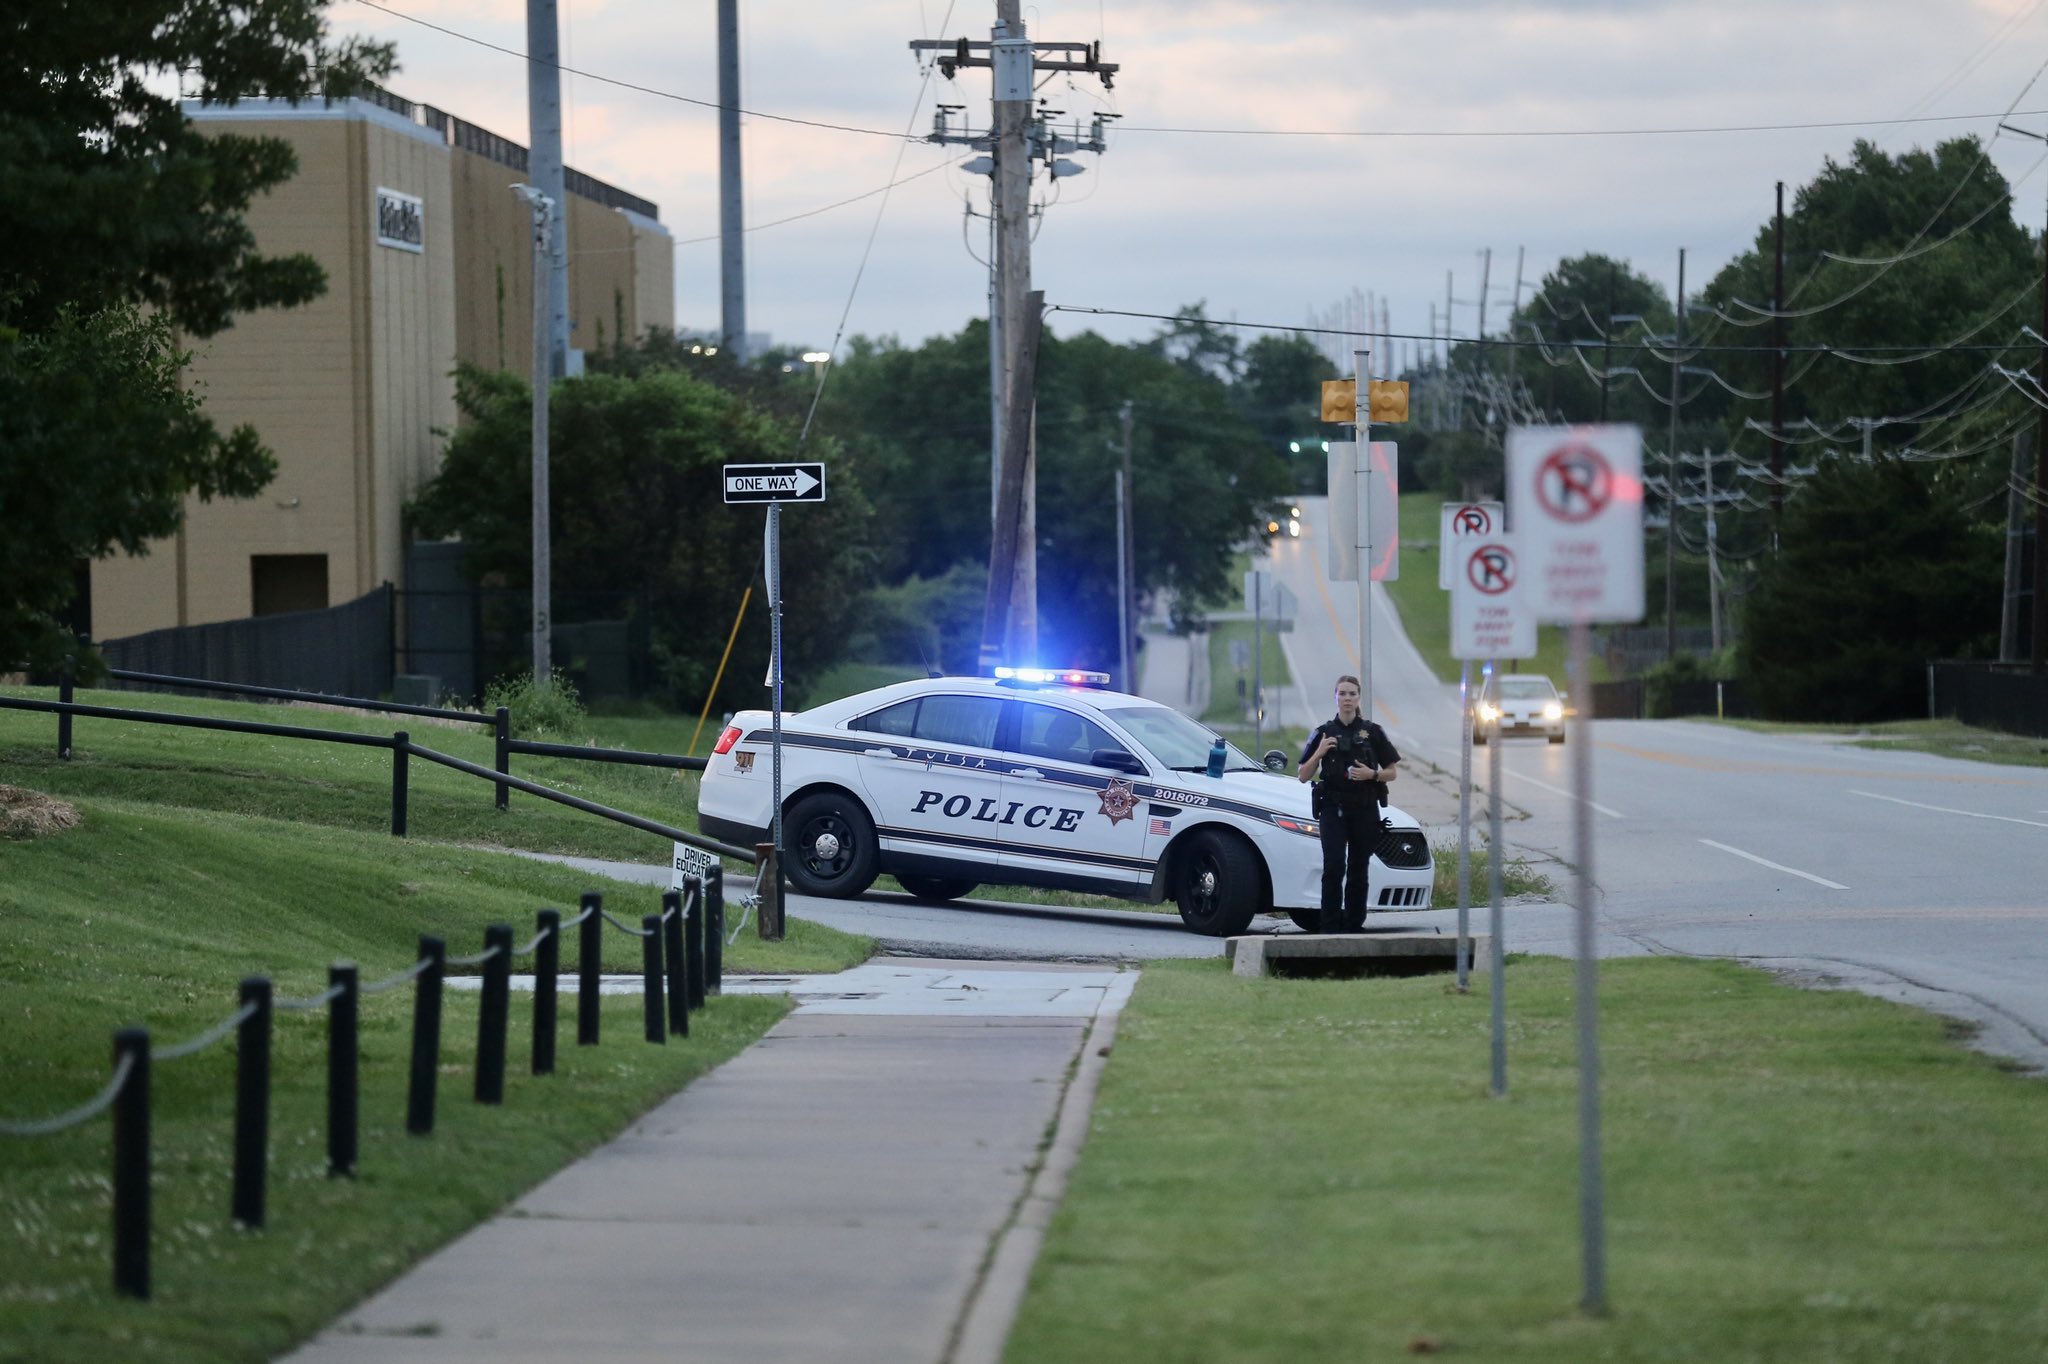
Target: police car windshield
(1173, 740)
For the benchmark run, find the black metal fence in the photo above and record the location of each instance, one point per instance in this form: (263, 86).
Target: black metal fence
(345, 650)
(1636, 698)
(680, 965)
(1990, 696)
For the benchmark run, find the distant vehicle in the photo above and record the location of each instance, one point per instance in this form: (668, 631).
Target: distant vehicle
(1037, 780)
(1512, 704)
(1289, 525)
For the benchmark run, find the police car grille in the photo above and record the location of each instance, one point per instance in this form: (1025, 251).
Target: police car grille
(1407, 850)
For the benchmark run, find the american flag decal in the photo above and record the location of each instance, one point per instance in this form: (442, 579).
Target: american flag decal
(1161, 827)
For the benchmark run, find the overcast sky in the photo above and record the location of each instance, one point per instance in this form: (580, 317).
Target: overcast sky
(1259, 163)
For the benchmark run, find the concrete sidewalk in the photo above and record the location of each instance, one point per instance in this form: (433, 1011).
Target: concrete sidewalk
(869, 1182)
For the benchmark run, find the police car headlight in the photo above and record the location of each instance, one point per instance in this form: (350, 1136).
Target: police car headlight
(1488, 712)
(1553, 710)
(1299, 826)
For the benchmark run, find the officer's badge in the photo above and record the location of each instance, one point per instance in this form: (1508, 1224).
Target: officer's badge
(1119, 800)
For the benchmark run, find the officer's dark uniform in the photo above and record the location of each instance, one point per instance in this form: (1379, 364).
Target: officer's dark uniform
(1349, 815)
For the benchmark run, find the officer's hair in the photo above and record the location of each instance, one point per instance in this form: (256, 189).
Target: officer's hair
(1347, 677)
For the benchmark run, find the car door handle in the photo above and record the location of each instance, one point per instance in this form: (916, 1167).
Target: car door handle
(1027, 773)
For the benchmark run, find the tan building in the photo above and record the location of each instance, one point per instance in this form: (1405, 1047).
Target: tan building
(429, 259)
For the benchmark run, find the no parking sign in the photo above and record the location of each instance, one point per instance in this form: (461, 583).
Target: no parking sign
(1576, 494)
(1488, 619)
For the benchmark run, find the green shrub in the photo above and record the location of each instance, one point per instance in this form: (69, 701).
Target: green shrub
(549, 709)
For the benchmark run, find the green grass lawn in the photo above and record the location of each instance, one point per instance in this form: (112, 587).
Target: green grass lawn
(350, 787)
(1300, 1171)
(147, 913)
(1943, 738)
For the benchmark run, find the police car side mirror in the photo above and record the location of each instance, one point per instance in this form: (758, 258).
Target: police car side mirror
(1275, 760)
(1118, 759)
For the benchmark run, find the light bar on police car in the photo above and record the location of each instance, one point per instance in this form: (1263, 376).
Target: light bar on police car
(1072, 677)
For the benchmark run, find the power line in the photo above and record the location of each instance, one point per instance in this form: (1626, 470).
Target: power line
(1563, 132)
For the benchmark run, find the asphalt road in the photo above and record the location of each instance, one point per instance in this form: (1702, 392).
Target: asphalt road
(1914, 877)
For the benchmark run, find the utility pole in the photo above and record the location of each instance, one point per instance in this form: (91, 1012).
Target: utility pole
(1671, 481)
(544, 169)
(2015, 530)
(1126, 552)
(1778, 370)
(2038, 654)
(1015, 139)
(543, 570)
(1607, 339)
(1713, 563)
(732, 251)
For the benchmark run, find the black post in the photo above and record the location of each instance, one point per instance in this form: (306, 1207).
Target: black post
(589, 963)
(714, 928)
(65, 692)
(426, 1037)
(693, 940)
(493, 1015)
(401, 756)
(674, 955)
(547, 967)
(131, 1166)
(343, 1050)
(504, 729)
(252, 1103)
(650, 974)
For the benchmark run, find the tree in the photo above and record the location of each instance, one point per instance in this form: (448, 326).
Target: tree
(636, 503)
(1574, 314)
(117, 207)
(1880, 571)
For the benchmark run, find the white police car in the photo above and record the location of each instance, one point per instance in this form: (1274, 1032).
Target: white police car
(1036, 780)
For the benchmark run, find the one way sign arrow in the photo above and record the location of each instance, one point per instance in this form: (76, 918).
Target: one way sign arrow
(774, 483)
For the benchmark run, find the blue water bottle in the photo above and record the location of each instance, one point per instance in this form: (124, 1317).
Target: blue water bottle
(1216, 753)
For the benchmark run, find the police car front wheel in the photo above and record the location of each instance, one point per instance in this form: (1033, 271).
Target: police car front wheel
(1219, 885)
(833, 843)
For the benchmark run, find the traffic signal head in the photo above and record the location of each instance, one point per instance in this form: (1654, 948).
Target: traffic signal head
(1388, 400)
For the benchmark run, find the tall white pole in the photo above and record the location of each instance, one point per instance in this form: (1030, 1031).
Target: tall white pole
(1361, 361)
(732, 255)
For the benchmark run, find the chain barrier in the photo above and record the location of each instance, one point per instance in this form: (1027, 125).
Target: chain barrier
(91, 1108)
(205, 1039)
(534, 942)
(587, 912)
(478, 960)
(393, 982)
(325, 997)
(623, 928)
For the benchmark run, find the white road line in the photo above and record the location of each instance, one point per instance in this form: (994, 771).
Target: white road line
(1764, 862)
(1559, 790)
(1947, 810)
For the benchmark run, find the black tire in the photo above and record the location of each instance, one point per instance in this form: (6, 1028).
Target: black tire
(1478, 738)
(846, 864)
(1307, 920)
(1556, 738)
(935, 887)
(1219, 885)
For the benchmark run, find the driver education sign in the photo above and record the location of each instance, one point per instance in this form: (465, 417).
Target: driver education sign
(1575, 495)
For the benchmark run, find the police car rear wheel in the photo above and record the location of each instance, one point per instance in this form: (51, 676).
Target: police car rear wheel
(935, 887)
(834, 842)
(1219, 885)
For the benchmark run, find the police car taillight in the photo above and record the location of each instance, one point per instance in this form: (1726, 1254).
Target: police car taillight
(726, 740)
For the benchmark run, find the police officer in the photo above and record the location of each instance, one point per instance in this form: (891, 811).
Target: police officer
(1351, 760)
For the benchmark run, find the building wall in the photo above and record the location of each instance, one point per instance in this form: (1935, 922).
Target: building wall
(349, 390)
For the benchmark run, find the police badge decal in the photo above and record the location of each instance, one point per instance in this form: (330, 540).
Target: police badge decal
(1119, 800)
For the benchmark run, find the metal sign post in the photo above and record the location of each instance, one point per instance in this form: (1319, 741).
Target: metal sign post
(1576, 494)
(1487, 622)
(774, 484)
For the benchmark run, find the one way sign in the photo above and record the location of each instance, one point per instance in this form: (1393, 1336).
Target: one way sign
(775, 483)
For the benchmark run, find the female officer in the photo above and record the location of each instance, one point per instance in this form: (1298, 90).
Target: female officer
(1351, 760)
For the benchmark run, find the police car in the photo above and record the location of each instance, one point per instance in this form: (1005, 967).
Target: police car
(1036, 779)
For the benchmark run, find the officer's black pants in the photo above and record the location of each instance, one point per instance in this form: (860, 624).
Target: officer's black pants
(1351, 834)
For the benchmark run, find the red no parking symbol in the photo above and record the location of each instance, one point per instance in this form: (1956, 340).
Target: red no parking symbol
(1491, 569)
(1574, 483)
(1472, 521)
